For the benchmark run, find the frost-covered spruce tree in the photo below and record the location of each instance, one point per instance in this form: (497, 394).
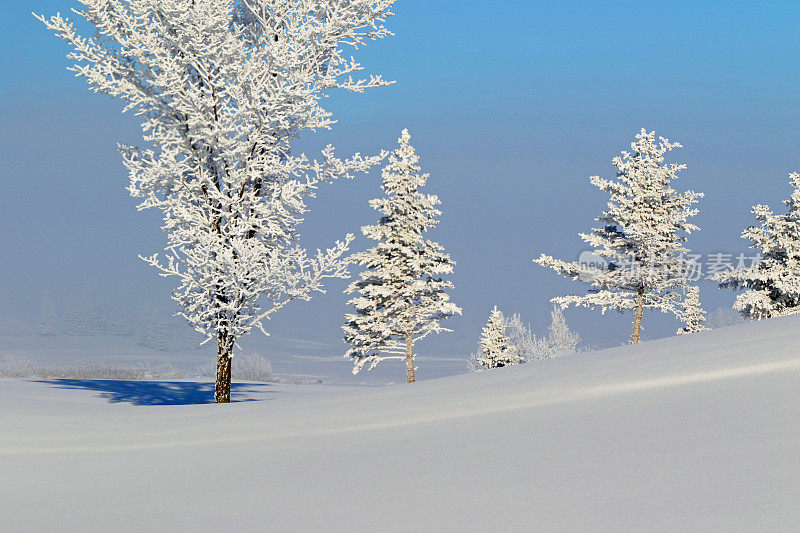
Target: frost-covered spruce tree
(641, 236)
(401, 294)
(47, 316)
(772, 286)
(495, 349)
(692, 313)
(223, 89)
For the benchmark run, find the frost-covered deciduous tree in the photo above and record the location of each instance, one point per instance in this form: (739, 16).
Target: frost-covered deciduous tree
(495, 349)
(559, 341)
(772, 286)
(223, 89)
(401, 295)
(641, 236)
(521, 336)
(692, 313)
(47, 316)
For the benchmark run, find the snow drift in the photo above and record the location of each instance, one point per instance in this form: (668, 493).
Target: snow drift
(694, 432)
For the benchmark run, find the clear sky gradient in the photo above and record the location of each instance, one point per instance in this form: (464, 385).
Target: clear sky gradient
(511, 106)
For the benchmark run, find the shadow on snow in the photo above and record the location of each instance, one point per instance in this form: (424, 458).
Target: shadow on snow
(160, 392)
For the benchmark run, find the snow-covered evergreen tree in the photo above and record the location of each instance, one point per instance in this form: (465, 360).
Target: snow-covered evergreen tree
(47, 316)
(223, 89)
(772, 286)
(401, 294)
(641, 236)
(496, 349)
(692, 313)
(559, 341)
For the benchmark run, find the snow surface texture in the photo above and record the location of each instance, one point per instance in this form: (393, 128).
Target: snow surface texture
(692, 433)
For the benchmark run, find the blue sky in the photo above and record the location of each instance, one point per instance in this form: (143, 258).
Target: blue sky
(511, 106)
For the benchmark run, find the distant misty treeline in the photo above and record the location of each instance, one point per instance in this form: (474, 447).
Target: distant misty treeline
(88, 315)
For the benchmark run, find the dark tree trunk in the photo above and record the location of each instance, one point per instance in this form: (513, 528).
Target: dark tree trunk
(222, 388)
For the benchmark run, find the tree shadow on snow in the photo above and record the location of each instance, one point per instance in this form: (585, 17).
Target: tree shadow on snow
(161, 392)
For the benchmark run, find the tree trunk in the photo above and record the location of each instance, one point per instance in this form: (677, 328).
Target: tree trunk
(637, 319)
(222, 388)
(410, 378)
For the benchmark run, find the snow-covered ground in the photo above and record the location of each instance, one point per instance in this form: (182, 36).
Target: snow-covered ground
(692, 433)
(292, 359)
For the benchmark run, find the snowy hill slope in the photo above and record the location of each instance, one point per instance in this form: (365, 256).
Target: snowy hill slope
(697, 432)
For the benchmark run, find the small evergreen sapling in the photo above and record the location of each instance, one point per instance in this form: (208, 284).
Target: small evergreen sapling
(692, 313)
(496, 349)
(641, 236)
(772, 286)
(401, 296)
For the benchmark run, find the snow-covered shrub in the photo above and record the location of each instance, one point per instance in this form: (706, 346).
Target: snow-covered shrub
(559, 341)
(115, 372)
(520, 336)
(13, 366)
(21, 367)
(252, 367)
(473, 363)
(247, 366)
